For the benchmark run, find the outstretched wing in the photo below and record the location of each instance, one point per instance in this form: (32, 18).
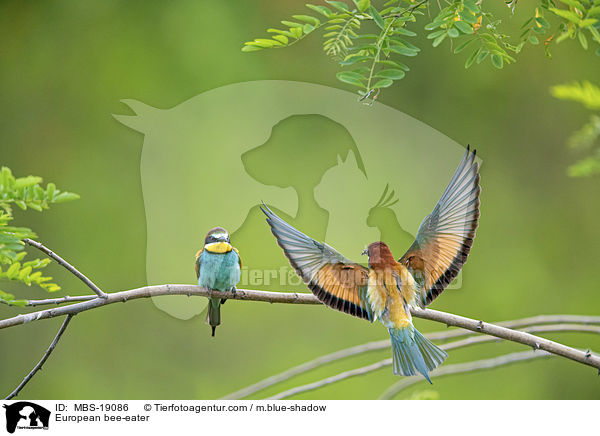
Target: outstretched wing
(445, 236)
(335, 280)
(198, 263)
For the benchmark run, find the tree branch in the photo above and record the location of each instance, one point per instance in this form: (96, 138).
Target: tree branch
(380, 345)
(458, 368)
(537, 343)
(68, 266)
(586, 358)
(39, 365)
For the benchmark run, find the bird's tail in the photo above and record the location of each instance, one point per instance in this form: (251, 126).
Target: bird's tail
(213, 314)
(413, 352)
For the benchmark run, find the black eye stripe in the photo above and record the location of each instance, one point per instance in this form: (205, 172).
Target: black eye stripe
(210, 239)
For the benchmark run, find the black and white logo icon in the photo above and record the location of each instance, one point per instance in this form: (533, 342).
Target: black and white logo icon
(26, 415)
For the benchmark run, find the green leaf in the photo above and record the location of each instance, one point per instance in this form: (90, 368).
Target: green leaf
(393, 74)
(433, 25)
(383, 83)
(464, 27)
(296, 32)
(307, 19)
(282, 39)
(353, 58)
(24, 273)
(262, 43)
(468, 17)
(582, 40)
(571, 16)
(351, 77)
(464, 45)
(585, 168)
(22, 182)
(471, 6)
(527, 22)
(497, 61)
(573, 3)
(395, 64)
(13, 270)
(587, 22)
(405, 51)
(291, 24)
(323, 10)
(437, 41)
(362, 5)
(377, 18)
(482, 55)
(595, 34)
(340, 6)
(65, 196)
(472, 58)
(453, 33)
(308, 28)
(435, 34)
(403, 31)
(585, 93)
(281, 32)
(593, 11)
(248, 48)
(542, 22)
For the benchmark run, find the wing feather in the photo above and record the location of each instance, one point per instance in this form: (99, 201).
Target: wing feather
(198, 263)
(446, 235)
(336, 281)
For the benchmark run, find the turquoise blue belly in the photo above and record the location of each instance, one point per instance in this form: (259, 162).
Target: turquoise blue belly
(219, 271)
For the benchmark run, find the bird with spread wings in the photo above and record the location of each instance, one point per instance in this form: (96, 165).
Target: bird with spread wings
(387, 289)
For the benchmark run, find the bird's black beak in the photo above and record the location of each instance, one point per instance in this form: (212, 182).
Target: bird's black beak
(365, 252)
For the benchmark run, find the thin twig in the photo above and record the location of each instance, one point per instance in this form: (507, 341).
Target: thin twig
(449, 319)
(61, 300)
(333, 379)
(305, 367)
(39, 365)
(380, 345)
(387, 362)
(458, 368)
(68, 266)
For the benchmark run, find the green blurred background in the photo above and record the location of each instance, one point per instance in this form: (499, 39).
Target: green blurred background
(65, 67)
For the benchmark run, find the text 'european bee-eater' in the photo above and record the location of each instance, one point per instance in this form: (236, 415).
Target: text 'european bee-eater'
(218, 267)
(388, 288)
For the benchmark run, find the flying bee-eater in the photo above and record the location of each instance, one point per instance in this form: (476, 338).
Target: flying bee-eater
(218, 267)
(387, 289)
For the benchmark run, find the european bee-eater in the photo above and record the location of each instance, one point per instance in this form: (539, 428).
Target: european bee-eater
(218, 267)
(388, 288)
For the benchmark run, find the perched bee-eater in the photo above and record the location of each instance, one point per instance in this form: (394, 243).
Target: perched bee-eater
(388, 288)
(218, 267)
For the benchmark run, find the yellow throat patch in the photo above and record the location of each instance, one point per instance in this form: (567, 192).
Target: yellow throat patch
(218, 247)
